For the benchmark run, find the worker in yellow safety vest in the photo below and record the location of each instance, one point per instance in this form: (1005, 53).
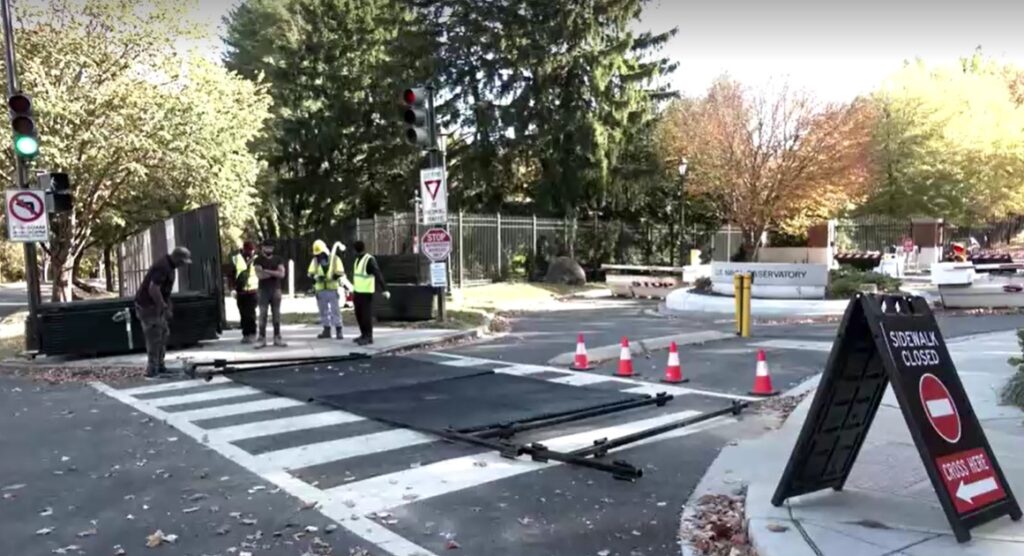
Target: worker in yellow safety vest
(328, 274)
(246, 286)
(366, 276)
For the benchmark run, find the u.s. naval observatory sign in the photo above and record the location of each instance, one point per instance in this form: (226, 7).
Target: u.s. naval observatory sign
(773, 280)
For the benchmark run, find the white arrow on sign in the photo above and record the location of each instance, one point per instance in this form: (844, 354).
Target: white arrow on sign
(968, 491)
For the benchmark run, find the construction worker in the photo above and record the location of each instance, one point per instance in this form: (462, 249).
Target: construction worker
(328, 273)
(246, 290)
(271, 272)
(366, 275)
(154, 309)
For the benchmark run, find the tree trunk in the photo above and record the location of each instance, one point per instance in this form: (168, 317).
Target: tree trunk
(108, 268)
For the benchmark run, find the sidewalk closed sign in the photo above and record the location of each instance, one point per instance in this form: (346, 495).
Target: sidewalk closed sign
(895, 340)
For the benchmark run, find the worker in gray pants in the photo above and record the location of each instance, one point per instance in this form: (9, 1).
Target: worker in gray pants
(153, 307)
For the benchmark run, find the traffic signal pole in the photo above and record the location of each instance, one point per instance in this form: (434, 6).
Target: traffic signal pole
(31, 263)
(436, 161)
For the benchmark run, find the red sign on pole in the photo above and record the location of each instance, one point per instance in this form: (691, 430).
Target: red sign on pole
(970, 479)
(437, 244)
(940, 408)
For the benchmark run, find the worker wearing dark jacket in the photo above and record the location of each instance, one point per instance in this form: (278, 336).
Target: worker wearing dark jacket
(366, 279)
(153, 307)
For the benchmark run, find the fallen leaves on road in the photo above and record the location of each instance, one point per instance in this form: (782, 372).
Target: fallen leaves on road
(46, 511)
(452, 545)
(86, 533)
(66, 549)
(776, 528)
(782, 406)
(717, 526)
(159, 537)
(44, 531)
(118, 551)
(56, 374)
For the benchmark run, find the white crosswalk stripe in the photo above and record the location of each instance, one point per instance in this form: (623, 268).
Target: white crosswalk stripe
(172, 386)
(386, 490)
(204, 396)
(257, 429)
(237, 409)
(344, 448)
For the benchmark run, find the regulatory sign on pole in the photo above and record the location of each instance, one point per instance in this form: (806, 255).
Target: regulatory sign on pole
(438, 275)
(26, 216)
(436, 244)
(433, 196)
(894, 341)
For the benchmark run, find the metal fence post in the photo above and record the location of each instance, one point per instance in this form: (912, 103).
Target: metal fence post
(394, 233)
(534, 248)
(498, 277)
(374, 250)
(462, 266)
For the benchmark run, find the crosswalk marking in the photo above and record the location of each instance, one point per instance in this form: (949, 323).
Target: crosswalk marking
(257, 429)
(237, 409)
(381, 536)
(343, 448)
(204, 396)
(396, 489)
(172, 386)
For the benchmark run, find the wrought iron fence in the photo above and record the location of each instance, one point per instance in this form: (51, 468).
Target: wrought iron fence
(490, 247)
(871, 233)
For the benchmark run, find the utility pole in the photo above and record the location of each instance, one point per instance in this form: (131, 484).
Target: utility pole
(31, 264)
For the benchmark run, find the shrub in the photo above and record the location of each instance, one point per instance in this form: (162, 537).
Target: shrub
(702, 284)
(1013, 391)
(845, 282)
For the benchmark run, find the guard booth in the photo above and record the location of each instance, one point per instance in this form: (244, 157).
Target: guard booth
(110, 326)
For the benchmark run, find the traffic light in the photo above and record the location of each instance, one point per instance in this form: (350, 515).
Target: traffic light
(26, 142)
(62, 197)
(417, 117)
(57, 186)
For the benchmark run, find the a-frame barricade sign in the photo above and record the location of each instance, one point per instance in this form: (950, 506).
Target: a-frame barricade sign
(888, 339)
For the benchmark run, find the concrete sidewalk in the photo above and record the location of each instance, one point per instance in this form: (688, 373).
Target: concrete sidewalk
(888, 506)
(301, 339)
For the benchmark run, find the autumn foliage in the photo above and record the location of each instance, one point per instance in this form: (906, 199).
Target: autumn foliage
(771, 158)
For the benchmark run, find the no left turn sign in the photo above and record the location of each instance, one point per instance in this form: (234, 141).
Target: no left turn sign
(940, 408)
(26, 216)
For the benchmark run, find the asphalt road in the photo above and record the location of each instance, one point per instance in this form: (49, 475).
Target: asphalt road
(389, 490)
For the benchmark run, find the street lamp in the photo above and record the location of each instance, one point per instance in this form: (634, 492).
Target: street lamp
(683, 167)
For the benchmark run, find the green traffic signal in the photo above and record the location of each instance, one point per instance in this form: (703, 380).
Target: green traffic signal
(26, 146)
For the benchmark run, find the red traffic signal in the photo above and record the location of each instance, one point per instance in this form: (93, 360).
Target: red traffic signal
(417, 117)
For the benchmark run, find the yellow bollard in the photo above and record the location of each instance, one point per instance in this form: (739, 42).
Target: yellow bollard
(748, 281)
(737, 294)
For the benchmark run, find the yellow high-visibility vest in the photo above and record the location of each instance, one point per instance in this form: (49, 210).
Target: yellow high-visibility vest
(251, 281)
(331, 280)
(363, 283)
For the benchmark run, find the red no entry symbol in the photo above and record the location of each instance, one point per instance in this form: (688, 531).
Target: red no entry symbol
(25, 207)
(939, 407)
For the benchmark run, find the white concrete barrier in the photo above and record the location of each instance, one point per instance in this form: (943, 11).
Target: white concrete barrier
(687, 301)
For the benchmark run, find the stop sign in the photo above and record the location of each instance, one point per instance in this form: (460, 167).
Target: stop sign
(436, 244)
(939, 408)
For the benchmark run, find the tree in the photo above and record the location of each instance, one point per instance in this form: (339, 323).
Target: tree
(335, 69)
(548, 98)
(142, 130)
(950, 142)
(770, 158)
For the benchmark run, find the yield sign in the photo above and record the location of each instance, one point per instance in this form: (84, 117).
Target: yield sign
(433, 196)
(940, 408)
(433, 187)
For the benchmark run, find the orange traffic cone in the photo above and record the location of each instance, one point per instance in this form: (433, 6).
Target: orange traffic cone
(625, 359)
(762, 378)
(582, 363)
(674, 371)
